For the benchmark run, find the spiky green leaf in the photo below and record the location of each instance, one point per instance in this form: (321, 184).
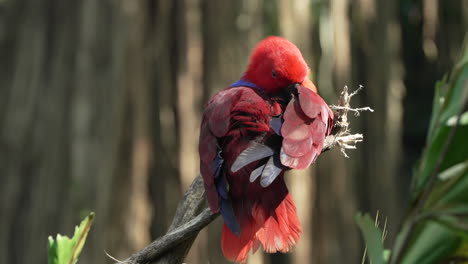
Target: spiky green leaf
(65, 250)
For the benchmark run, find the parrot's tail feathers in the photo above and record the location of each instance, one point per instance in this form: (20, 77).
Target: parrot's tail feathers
(276, 230)
(280, 229)
(236, 248)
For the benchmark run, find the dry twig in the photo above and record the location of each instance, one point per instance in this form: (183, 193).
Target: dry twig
(341, 134)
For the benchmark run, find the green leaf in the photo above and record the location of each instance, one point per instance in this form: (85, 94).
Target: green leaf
(386, 255)
(456, 96)
(462, 250)
(399, 241)
(454, 171)
(439, 99)
(373, 238)
(451, 189)
(456, 224)
(432, 243)
(456, 209)
(457, 193)
(463, 121)
(64, 250)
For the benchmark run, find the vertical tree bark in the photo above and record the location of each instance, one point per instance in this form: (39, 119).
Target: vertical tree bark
(137, 141)
(380, 37)
(164, 179)
(335, 237)
(188, 91)
(64, 116)
(295, 25)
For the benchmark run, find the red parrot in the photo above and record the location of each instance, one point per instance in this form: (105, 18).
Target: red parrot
(269, 121)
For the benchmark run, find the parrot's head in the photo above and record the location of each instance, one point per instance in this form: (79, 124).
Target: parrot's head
(276, 64)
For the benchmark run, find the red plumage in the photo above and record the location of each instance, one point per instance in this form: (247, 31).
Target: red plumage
(269, 121)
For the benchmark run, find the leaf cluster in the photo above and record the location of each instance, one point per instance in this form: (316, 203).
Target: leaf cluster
(436, 227)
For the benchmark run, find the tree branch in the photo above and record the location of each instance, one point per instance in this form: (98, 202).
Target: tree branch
(190, 217)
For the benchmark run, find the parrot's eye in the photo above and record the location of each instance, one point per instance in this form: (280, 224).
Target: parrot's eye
(273, 74)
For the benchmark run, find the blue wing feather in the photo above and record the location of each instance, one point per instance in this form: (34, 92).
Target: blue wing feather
(218, 164)
(276, 123)
(221, 187)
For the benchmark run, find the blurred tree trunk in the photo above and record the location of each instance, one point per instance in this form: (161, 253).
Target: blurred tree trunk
(164, 173)
(135, 218)
(334, 232)
(295, 25)
(73, 139)
(190, 91)
(178, 55)
(377, 49)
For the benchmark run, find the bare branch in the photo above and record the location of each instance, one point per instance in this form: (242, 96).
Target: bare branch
(355, 110)
(172, 238)
(341, 135)
(192, 215)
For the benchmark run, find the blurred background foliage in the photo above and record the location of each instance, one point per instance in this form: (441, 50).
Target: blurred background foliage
(435, 227)
(100, 103)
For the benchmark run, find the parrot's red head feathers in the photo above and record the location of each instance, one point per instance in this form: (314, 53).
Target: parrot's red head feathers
(276, 63)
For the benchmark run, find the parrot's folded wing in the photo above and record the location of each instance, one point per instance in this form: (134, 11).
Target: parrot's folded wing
(307, 121)
(215, 124)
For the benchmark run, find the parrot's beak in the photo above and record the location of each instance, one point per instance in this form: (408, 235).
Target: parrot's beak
(292, 88)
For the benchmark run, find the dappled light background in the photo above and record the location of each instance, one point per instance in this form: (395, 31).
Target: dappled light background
(100, 103)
